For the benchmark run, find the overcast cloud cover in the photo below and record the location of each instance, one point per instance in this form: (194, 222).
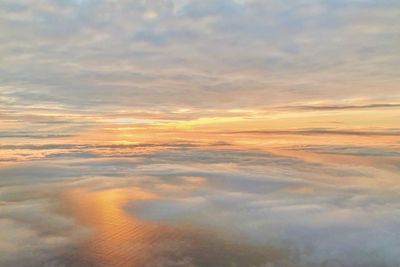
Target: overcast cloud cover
(160, 54)
(318, 214)
(200, 133)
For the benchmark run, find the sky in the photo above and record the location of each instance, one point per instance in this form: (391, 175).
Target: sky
(200, 123)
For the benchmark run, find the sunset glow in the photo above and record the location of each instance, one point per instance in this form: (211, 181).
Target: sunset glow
(200, 133)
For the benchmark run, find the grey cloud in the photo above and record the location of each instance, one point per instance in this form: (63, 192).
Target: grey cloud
(98, 146)
(22, 173)
(324, 131)
(321, 231)
(279, 50)
(125, 162)
(352, 150)
(302, 209)
(33, 234)
(32, 135)
(328, 108)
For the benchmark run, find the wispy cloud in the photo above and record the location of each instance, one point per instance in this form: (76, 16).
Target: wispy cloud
(393, 132)
(345, 107)
(218, 53)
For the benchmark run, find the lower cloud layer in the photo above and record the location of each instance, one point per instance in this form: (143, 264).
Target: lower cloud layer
(189, 205)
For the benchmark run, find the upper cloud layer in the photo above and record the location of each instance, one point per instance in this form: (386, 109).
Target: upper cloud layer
(214, 54)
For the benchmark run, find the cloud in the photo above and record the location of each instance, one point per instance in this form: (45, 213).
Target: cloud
(326, 223)
(305, 213)
(351, 150)
(351, 107)
(78, 76)
(32, 234)
(60, 53)
(32, 136)
(389, 132)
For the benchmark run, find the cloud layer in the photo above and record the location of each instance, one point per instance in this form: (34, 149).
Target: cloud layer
(304, 212)
(199, 133)
(213, 54)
